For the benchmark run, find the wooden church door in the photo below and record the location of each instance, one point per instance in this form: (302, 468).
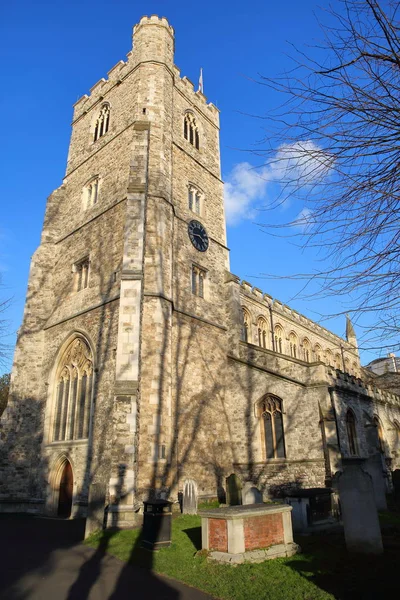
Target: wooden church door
(66, 487)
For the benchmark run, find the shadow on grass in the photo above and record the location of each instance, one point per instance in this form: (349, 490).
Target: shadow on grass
(194, 535)
(326, 563)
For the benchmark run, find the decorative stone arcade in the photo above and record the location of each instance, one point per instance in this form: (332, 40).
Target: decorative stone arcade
(254, 533)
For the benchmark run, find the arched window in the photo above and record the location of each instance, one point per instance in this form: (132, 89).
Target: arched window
(195, 198)
(317, 353)
(379, 434)
(278, 337)
(262, 332)
(102, 123)
(74, 380)
(90, 193)
(270, 412)
(347, 365)
(190, 130)
(293, 344)
(306, 350)
(338, 362)
(246, 329)
(351, 432)
(329, 358)
(355, 369)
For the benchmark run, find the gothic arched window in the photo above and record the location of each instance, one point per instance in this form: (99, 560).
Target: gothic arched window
(190, 130)
(195, 198)
(351, 432)
(329, 358)
(318, 353)
(338, 362)
(246, 328)
(278, 336)
(74, 381)
(307, 350)
(379, 434)
(262, 332)
(270, 412)
(102, 122)
(293, 343)
(90, 193)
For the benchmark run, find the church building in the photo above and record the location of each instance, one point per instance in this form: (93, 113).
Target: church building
(142, 361)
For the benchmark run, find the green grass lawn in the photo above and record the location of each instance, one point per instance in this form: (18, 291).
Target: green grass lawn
(323, 570)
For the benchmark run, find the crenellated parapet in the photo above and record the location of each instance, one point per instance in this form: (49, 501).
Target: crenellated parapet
(355, 385)
(265, 301)
(146, 47)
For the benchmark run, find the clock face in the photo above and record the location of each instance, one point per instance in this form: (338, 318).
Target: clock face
(198, 236)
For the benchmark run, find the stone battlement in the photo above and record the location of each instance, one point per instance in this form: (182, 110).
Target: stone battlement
(341, 379)
(278, 307)
(122, 69)
(154, 20)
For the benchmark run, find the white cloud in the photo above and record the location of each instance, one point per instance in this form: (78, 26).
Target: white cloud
(295, 165)
(244, 186)
(304, 219)
(301, 162)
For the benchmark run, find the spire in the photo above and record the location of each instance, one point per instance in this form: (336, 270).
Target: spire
(201, 87)
(350, 333)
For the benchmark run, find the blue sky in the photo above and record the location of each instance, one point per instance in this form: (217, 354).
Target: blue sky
(53, 52)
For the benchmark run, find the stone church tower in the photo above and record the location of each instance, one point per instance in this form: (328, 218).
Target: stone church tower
(123, 290)
(142, 361)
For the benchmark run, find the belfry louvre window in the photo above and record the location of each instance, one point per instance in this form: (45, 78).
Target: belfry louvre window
(198, 277)
(81, 270)
(102, 123)
(190, 130)
(74, 382)
(270, 410)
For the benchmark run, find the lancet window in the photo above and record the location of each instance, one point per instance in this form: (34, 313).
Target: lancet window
(351, 432)
(293, 344)
(90, 192)
(190, 130)
(379, 435)
(270, 411)
(74, 381)
(278, 337)
(318, 353)
(329, 358)
(194, 199)
(338, 362)
(262, 332)
(81, 270)
(246, 325)
(198, 278)
(102, 123)
(307, 350)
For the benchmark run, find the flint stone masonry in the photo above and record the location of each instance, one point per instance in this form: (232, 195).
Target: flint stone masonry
(252, 533)
(176, 389)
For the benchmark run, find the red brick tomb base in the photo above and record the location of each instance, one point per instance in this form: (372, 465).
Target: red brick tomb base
(254, 532)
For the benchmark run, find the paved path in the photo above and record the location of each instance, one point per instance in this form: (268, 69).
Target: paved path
(43, 559)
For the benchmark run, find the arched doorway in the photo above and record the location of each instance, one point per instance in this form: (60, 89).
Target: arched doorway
(66, 488)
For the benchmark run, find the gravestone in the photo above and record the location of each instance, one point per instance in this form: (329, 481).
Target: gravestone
(189, 500)
(251, 494)
(233, 490)
(374, 466)
(359, 513)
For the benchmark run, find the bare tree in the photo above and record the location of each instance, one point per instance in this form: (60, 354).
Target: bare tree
(4, 332)
(335, 142)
